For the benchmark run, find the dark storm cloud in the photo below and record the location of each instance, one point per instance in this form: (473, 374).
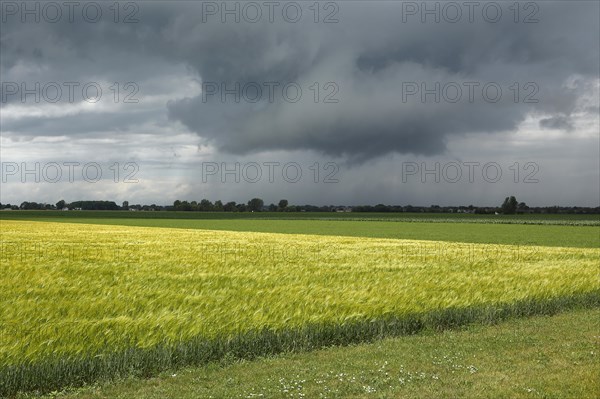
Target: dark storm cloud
(557, 122)
(370, 56)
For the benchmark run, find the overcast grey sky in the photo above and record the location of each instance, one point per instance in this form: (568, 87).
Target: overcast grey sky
(348, 102)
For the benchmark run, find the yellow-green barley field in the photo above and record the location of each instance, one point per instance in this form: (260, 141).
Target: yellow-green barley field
(81, 302)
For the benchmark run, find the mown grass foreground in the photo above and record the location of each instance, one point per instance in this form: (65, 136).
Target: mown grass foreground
(86, 301)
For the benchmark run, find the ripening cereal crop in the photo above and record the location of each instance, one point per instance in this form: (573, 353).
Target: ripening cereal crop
(85, 301)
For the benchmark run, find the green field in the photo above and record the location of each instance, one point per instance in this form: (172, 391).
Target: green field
(95, 298)
(549, 230)
(406, 217)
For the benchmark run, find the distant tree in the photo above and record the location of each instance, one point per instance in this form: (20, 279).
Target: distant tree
(31, 205)
(60, 204)
(230, 207)
(513, 204)
(381, 208)
(283, 204)
(552, 209)
(205, 206)
(95, 205)
(218, 207)
(509, 206)
(125, 205)
(504, 206)
(255, 205)
(272, 208)
(522, 207)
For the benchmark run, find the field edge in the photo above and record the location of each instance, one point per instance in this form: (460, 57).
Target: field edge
(55, 374)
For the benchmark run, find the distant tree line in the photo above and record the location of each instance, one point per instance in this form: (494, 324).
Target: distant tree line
(509, 206)
(254, 205)
(79, 205)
